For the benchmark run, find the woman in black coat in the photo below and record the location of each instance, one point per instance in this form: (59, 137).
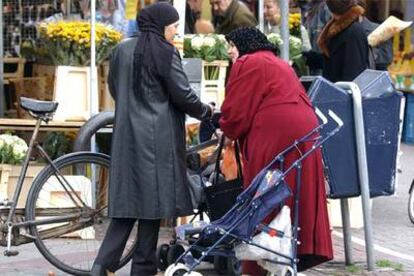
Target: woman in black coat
(343, 42)
(148, 171)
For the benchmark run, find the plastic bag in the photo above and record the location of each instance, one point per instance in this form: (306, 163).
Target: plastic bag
(229, 164)
(282, 245)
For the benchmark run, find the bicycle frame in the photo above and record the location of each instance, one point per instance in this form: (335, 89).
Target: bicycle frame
(13, 204)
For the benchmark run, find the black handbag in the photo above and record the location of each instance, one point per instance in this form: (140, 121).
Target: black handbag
(221, 195)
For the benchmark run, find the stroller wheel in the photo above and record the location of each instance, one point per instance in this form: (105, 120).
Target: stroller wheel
(180, 270)
(174, 253)
(161, 254)
(234, 266)
(227, 265)
(288, 271)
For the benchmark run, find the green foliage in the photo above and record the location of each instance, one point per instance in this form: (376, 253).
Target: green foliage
(57, 144)
(353, 269)
(390, 264)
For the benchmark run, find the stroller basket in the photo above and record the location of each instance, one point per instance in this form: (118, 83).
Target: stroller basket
(267, 191)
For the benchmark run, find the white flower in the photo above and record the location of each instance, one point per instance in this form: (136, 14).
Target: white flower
(221, 38)
(197, 42)
(17, 146)
(209, 42)
(295, 42)
(275, 39)
(19, 151)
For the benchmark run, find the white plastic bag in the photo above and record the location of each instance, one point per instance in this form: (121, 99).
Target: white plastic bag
(283, 245)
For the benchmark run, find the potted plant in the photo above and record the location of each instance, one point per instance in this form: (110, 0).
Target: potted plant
(67, 45)
(212, 49)
(12, 153)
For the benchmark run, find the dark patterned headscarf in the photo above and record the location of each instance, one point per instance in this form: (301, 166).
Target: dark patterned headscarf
(249, 39)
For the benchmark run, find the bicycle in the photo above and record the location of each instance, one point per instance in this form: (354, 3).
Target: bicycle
(65, 214)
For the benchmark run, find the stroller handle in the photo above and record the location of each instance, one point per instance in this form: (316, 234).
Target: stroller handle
(336, 118)
(321, 116)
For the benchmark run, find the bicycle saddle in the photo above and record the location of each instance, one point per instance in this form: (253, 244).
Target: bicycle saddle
(38, 107)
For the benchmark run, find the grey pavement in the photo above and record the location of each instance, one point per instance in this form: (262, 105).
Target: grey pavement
(393, 236)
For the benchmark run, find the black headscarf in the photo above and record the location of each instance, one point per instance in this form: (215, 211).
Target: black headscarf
(249, 40)
(152, 47)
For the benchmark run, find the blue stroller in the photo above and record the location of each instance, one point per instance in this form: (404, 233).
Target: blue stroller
(267, 190)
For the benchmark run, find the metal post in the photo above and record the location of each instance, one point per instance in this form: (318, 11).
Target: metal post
(180, 6)
(284, 28)
(68, 5)
(93, 100)
(362, 168)
(346, 228)
(261, 15)
(2, 100)
(387, 9)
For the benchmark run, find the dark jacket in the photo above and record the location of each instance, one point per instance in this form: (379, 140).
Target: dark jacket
(148, 170)
(348, 54)
(236, 16)
(344, 45)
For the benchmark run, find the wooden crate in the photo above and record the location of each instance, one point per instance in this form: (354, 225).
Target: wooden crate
(48, 73)
(105, 99)
(19, 72)
(106, 102)
(9, 175)
(72, 92)
(213, 89)
(34, 88)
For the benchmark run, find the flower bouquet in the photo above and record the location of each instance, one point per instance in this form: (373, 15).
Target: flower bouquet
(12, 149)
(295, 45)
(294, 24)
(209, 48)
(69, 43)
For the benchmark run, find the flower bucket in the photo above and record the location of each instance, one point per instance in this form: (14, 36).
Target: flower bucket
(213, 81)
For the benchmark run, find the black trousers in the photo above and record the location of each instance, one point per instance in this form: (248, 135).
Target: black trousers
(144, 260)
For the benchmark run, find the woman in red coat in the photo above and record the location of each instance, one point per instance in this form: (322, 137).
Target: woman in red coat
(266, 109)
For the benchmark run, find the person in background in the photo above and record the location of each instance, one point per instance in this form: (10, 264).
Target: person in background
(194, 24)
(272, 19)
(230, 15)
(148, 174)
(266, 109)
(315, 15)
(382, 54)
(192, 14)
(343, 42)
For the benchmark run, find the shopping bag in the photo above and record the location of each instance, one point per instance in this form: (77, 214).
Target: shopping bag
(221, 195)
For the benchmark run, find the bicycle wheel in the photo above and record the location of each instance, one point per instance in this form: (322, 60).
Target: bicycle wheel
(68, 209)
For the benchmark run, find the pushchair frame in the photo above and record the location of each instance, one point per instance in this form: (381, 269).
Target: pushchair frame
(223, 245)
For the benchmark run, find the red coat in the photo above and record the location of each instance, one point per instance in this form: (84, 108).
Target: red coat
(266, 108)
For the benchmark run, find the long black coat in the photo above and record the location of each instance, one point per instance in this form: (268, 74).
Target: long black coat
(348, 54)
(148, 170)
